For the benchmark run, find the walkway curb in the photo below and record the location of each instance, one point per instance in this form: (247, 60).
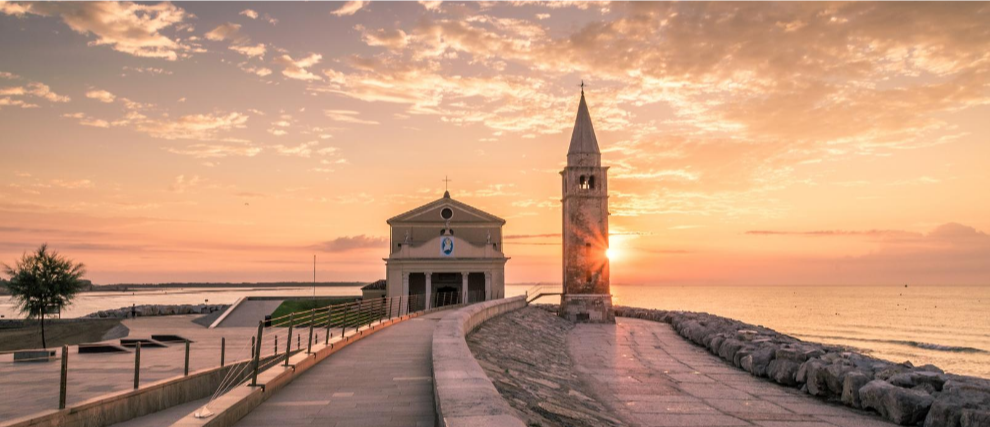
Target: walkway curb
(464, 394)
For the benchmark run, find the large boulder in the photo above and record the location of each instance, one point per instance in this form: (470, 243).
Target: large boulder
(899, 405)
(956, 402)
(783, 371)
(919, 378)
(729, 348)
(817, 377)
(759, 360)
(851, 384)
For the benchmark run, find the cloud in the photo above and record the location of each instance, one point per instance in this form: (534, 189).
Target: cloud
(259, 71)
(346, 244)
(302, 150)
(228, 31)
(212, 151)
(181, 183)
(298, 69)
(249, 13)
(147, 70)
(833, 233)
(431, 5)
(86, 120)
(250, 51)
(8, 76)
(101, 95)
(347, 116)
(349, 8)
(193, 126)
(126, 27)
(392, 38)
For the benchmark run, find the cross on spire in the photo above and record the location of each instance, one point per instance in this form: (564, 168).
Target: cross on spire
(582, 86)
(446, 181)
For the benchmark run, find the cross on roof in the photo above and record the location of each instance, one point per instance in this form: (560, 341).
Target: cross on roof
(446, 181)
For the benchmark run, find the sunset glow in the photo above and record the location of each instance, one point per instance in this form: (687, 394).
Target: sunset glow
(749, 143)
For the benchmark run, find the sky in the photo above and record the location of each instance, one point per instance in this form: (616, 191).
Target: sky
(749, 143)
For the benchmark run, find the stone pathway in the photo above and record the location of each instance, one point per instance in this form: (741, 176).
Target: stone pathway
(382, 380)
(651, 376)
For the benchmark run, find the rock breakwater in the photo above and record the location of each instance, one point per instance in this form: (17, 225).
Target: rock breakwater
(157, 310)
(900, 392)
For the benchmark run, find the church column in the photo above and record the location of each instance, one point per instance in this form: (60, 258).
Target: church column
(488, 285)
(464, 287)
(429, 293)
(404, 297)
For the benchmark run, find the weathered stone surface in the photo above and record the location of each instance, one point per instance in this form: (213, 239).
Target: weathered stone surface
(916, 378)
(157, 310)
(853, 381)
(899, 405)
(783, 371)
(817, 378)
(524, 353)
(956, 400)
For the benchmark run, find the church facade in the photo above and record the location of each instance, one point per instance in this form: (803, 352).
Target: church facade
(444, 252)
(586, 294)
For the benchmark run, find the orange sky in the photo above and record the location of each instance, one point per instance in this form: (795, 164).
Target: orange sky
(749, 143)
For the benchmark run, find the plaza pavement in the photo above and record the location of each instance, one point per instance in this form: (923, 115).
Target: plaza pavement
(382, 380)
(33, 387)
(650, 376)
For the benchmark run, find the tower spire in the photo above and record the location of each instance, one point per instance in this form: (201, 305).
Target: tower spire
(584, 144)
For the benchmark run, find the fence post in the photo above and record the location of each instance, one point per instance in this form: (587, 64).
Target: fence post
(390, 301)
(256, 349)
(298, 341)
(276, 345)
(64, 377)
(288, 339)
(137, 365)
(223, 349)
(329, 310)
(312, 317)
(185, 371)
(252, 347)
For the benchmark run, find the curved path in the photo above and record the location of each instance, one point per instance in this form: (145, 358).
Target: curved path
(381, 380)
(651, 376)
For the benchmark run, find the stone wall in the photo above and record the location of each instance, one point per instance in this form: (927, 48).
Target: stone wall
(158, 310)
(900, 392)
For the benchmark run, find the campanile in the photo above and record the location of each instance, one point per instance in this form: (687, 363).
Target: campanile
(586, 295)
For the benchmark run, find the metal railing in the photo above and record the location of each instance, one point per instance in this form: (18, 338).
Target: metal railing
(541, 290)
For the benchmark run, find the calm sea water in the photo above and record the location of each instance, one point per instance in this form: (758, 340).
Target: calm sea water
(948, 326)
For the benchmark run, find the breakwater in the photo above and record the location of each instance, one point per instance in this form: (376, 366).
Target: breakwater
(900, 392)
(158, 310)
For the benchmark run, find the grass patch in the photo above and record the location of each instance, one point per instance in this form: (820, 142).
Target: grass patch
(298, 305)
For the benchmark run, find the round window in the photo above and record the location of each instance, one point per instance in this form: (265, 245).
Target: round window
(446, 213)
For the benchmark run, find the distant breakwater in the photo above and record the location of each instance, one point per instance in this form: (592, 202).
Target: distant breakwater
(900, 392)
(157, 310)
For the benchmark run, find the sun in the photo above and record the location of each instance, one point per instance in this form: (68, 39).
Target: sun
(612, 253)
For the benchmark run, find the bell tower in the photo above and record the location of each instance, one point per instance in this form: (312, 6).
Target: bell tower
(586, 295)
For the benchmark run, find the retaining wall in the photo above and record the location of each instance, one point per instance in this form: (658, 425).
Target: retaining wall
(464, 394)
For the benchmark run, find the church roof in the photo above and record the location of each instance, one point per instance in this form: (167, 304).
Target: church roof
(417, 214)
(583, 140)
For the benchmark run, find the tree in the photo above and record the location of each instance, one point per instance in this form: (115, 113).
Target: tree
(43, 281)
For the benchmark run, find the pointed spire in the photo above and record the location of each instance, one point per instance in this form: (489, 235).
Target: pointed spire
(584, 144)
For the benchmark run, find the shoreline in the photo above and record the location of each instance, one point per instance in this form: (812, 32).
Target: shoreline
(900, 392)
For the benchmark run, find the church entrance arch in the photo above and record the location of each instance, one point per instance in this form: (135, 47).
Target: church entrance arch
(447, 288)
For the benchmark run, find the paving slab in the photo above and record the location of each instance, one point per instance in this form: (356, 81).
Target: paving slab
(653, 377)
(381, 380)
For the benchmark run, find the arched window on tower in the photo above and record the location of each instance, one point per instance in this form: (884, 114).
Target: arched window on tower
(591, 182)
(583, 182)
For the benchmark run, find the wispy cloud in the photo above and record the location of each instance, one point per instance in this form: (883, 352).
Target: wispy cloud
(298, 69)
(351, 243)
(349, 8)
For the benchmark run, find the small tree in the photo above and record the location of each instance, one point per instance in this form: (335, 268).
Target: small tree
(42, 281)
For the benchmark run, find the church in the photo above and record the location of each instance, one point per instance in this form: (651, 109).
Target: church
(443, 252)
(446, 251)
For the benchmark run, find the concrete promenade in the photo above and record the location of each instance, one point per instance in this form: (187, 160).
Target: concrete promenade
(33, 387)
(381, 380)
(651, 376)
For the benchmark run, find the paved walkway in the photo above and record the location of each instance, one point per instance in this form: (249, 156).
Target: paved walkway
(382, 380)
(651, 376)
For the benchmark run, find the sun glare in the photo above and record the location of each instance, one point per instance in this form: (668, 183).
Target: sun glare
(612, 253)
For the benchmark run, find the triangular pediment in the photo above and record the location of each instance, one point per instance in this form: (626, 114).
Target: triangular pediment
(430, 212)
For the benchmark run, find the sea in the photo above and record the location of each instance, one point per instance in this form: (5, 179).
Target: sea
(947, 326)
